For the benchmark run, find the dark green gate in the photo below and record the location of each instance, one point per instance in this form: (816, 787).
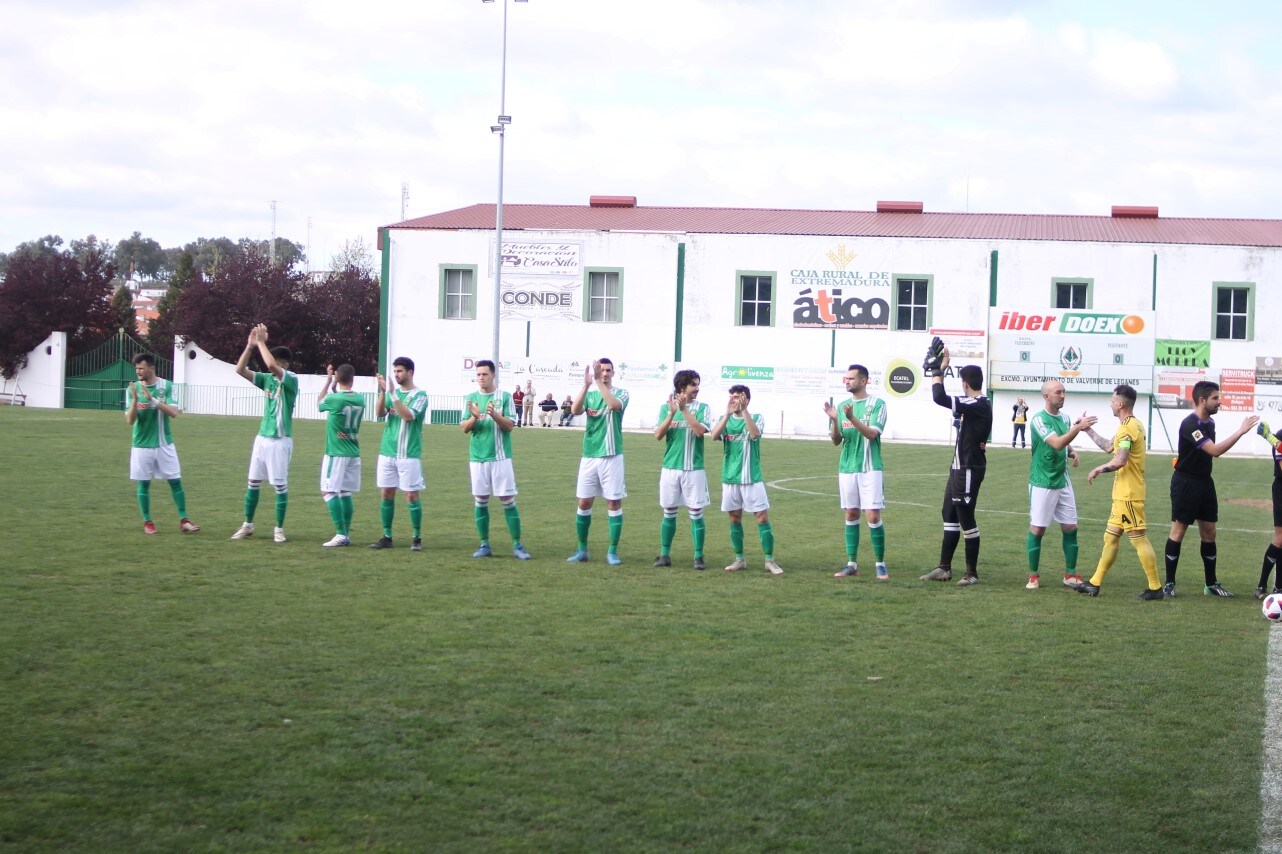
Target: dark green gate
(97, 379)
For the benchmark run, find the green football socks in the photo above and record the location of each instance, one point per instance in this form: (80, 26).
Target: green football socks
(736, 539)
(667, 532)
(852, 540)
(180, 497)
(877, 533)
(616, 528)
(767, 535)
(513, 518)
(144, 499)
(416, 517)
(387, 513)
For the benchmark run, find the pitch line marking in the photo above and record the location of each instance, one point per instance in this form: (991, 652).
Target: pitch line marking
(1271, 754)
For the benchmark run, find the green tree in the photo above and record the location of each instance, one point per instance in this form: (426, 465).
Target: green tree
(122, 307)
(207, 253)
(344, 311)
(141, 256)
(47, 289)
(288, 253)
(217, 312)
(355, 255)
(160, 330)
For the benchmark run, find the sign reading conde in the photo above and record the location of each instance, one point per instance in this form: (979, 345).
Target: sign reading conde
(541, 281)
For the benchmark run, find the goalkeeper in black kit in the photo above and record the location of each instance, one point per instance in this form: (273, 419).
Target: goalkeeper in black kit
(973, 420)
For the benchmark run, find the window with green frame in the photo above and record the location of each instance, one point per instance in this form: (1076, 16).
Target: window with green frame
(755, 297)
(911, 299)
(1072, 293)
(1234, 311)
(458, 291)
(603, 295)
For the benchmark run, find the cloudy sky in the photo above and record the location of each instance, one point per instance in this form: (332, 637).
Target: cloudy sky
(186, 119)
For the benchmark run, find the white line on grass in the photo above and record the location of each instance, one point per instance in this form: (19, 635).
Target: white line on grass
(1271, 755)
(777, 484)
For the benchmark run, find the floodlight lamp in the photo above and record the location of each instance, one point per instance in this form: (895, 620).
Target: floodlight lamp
(505, 120)
(496, 128)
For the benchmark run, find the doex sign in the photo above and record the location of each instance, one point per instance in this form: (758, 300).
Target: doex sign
(1085, 350)
(1073, 323)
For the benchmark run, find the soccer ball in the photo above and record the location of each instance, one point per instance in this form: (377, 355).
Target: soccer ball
(1272, 607)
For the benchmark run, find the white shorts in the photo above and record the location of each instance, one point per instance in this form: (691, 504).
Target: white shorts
(1051, 505)
(494, 477)
(340, 474)
(162, 463)
(861, 490)
(679, 488)
(269, 460)
(744, 496)
(601, 476)
(405, 473)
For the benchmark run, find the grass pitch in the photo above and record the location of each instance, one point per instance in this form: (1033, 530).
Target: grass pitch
(186, 692)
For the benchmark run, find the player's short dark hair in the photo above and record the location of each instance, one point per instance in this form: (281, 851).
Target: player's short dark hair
(1125, 391)
(281, 354)
(741, 389)
(972, 375)
(486, 363)
(1203, 389)
(345, 374)
(145, 357)
(859, 369)
(403, 362)
(683, 379)
(603, 360)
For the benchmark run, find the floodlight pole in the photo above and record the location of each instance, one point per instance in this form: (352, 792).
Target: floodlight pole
(500, 128)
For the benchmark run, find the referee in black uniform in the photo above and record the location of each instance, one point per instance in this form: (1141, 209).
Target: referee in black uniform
(1193, 490)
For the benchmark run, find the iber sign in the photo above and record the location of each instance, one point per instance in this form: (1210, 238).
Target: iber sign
(1072, 323)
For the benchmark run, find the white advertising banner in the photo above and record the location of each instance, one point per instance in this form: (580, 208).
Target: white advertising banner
(541, 281)
(1089, 351)
(841, 286)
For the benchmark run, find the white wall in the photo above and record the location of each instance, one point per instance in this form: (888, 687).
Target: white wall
(807, 363)
(44, 379)
(212, 386)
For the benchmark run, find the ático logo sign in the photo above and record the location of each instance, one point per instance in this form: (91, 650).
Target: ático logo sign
(1072, 323)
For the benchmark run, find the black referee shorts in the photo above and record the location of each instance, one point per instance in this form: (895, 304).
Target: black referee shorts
(1193, 499)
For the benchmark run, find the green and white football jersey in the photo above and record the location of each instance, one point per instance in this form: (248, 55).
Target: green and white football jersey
(742, 463)
(858, 453)
(604, 434)
(278, 413)
(151, 427)
(343, 424)
(1049, 468)
(489, 443)
(684, 450)
(404, 439)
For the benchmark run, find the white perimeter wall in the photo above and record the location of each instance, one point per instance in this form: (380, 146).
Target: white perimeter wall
(212, 386)
(44, 379)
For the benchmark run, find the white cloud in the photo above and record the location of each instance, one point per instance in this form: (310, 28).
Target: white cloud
(187, 121)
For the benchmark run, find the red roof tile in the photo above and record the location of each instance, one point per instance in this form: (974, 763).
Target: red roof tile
(963, 226)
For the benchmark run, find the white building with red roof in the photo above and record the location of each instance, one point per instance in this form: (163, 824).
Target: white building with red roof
(784, 300)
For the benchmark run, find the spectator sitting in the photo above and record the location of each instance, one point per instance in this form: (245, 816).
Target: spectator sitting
(547, 410)
(567, 411)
